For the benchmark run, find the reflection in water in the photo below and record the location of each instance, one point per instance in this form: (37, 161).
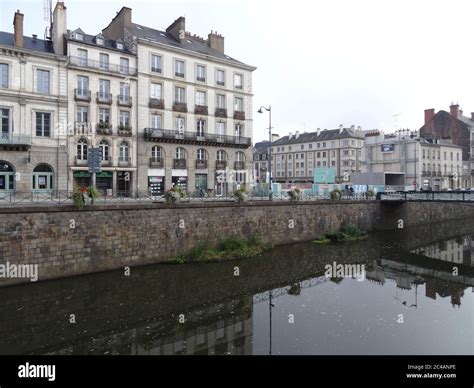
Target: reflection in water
(280, 304)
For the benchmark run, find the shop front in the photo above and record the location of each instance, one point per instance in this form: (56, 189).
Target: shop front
(124, 183)
(7, 177)
(221, 183)
(104, 182)
(201, 182)
(82, 179)
(156, 181)
(179, 178)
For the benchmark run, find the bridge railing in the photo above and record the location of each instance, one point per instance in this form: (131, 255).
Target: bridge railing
(457, 196)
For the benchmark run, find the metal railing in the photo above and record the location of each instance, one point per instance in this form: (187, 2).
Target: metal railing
(7, 139)
(154, 134)
(433, 196)
(105, 66)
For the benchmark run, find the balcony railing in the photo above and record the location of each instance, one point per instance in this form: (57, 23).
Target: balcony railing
(238, 115)
(156, 163)
(124, 130)
(104, 66)
(80, 161)
(221, 112)
(104, 129)
(179, 163)
(201, 79)
(124, 162)
(221, 164)
(180, 107)
(156, 103)
(177, 74)
(124, 100)
(15, 140)
(200, 109)
(174, 136)
(156, 69)
(107, 161)
(200, 163)
(239, 165)
(82, 95)
(104, 98)
(82, 128)
(220, 83)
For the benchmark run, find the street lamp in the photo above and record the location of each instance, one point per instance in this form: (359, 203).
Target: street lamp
(269, 110)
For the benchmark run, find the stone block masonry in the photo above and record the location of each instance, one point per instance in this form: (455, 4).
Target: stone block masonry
(65, 242)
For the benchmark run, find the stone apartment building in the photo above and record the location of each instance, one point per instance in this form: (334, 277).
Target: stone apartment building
(409, 158)
(33, 105)
(261, 161)
(166, 108)
(194, 108)
(296, 156)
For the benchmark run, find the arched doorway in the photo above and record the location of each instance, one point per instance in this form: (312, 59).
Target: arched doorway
(42, 178)
(7, 177)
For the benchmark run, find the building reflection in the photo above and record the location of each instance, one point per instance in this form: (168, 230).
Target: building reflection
(458, 250)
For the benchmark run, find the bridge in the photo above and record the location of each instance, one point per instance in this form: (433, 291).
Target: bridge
(431, 196)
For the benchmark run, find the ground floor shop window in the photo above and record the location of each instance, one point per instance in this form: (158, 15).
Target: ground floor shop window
(7, 176)
(156, 185)
(124, 183)
(42, 178)
(180, 181)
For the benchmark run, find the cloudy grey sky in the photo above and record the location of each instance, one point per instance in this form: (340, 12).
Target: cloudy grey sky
(320, 63)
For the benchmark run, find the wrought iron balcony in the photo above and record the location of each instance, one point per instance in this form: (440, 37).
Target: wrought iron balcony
(200, 109)
(220, 83)
(82, 95)
(156, 163)
(125, 130)
(82, 128)
(156, 103)
(179, 163)
(79, 161)
(239, 165)
(124, 162)
(201, 79)
(221, 164)
(107, 161)
(239, 115)
(206, 139)
(178, 74)
(103, 66)
(104, 98)
(180, 107)
(124, 100)
(104, 129)
(200, 163)
(15, 142)
(221, 112)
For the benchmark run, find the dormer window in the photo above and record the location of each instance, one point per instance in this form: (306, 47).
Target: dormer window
(79, 36)
(99, 41)
(119, 45)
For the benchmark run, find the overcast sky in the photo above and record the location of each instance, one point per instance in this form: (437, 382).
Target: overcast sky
(319, 63)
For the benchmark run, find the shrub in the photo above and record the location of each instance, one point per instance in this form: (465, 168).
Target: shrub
(294, 194)
(336, 195)
(174, 195)
(240, 195)
(370, 193)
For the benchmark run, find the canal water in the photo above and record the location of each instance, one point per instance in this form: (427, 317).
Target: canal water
(410, 292)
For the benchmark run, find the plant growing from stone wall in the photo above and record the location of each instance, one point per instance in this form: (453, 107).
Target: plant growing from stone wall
(294, 194)
(240, 195)
(336, 195)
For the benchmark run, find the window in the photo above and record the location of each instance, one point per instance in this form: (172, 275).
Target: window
(302, 146)
(179, 94)
(239, 156)
(104, 115)
(200, 98)
(220, 128)
(156, 121)
(119, 45)
(43, 124)
(179, 124)
(238, 81)
(104, 150)
(123, 151)
(124, 65)
(179, 68)
(297, 156)
(124, 91)
(82, 114)
(78, 36)
(221, 156)
(239, 104)
(3, 75)
(155, 90)
(104, 61)
(220, 77)
(200, 128)
(201, 73)
(156, 152)
(220, 101)
(82, 56)
(156, 63)
(82, 86)
(451, 156)
(99, 41)
(201, 154)
(124, 118)
(239, 130)
(180, 153)
(42, 81)
(81, 153)
(5, 122)
(104, 88)
(310, 146)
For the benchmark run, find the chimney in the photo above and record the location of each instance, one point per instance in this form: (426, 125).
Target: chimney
(115, 30)
(297, 134)
(429, 114)
(18, 28)
(178, 29)
(359, 128)
(454, 110)
(59, 28)
(216, 41)
(289, 135)
(353, 127)
(472, 116)
(341, 128)
(34, 38)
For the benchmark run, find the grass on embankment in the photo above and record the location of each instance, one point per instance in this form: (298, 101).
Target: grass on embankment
(348, 233)
(229, 248)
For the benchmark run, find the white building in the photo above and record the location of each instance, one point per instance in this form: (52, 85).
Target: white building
(33, 103)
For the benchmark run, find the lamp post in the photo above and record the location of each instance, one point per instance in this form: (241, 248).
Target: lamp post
(269, 110)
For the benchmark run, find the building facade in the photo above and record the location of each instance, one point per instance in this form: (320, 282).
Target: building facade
(261, 164)
(194, 108)
(421, 162)
(295, 157)
(33, 104)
